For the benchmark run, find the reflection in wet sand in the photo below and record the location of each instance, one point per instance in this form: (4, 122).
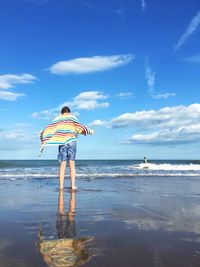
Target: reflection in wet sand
(5, 261)
(66, 225)
(167, 214)
(68, 249)
(4, 244)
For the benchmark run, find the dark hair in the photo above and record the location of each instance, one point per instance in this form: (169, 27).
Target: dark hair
(65, 110)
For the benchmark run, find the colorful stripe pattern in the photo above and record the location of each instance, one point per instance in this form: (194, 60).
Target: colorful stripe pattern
(63, 129)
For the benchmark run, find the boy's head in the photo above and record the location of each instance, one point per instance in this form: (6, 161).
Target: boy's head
(65, 110)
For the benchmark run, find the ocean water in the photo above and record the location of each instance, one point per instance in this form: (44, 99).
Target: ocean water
(138, 215)
(94, 169)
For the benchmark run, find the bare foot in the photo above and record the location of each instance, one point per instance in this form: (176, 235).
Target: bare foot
(73, 188)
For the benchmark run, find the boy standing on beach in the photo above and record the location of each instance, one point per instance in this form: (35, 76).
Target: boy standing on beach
(64, 131)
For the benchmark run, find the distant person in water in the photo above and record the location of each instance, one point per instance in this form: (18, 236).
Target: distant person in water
(63, 132)
(145, 160)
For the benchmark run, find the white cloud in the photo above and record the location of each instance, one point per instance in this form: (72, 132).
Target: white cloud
(90, 64)
(97, 123)
(144, 5)
(8, 81)
(150, 77)
(193, 59)
(87, 101)
(11, 80)
(125, 95)
(179, 124)
(17, 136)
(44, 114)
(165, 96)
(10, 96)
(84, 101)
(7, 136)
(169, 117)
(179, 135)
(192, 27)
(94, 95)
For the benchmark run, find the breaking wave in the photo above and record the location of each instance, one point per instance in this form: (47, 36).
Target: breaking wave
(168, 167)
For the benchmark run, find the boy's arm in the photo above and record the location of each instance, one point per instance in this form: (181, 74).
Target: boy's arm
(91, 131)
(82, 129)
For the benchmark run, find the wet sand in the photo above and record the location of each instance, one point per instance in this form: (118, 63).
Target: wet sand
(140, 222)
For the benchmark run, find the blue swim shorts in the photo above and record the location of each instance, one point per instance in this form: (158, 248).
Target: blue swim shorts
(67, 151)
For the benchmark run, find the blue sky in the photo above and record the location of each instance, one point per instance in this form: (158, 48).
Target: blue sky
(127, 68)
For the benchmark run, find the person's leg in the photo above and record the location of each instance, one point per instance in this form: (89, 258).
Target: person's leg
(72, 173)
(71, 162)
(62, 174)
(61, 202)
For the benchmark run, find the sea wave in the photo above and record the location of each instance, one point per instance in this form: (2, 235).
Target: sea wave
(167, 167)
(95, 175)
(101, 170)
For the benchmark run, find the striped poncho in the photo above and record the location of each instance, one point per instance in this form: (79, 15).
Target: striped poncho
(63, 129)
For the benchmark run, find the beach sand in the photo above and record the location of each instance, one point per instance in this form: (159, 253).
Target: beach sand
(137, 222)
